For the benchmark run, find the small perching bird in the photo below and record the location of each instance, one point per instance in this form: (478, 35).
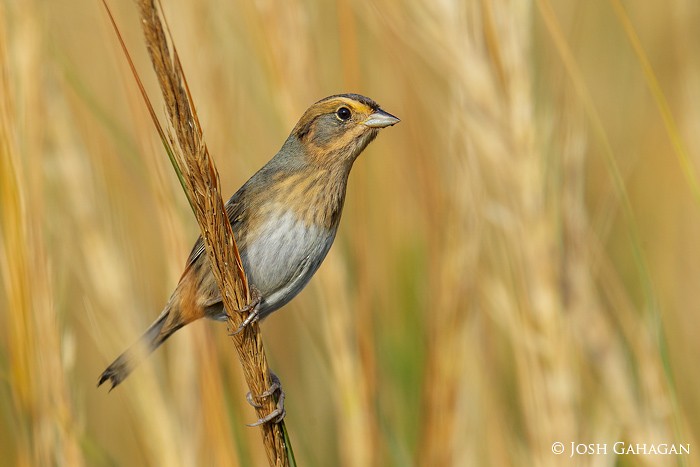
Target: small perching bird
(284, 220)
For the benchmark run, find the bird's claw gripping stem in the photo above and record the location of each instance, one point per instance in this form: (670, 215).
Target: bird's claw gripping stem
(253, 308)
(277, 415)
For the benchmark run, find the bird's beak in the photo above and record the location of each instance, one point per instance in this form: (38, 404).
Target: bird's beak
(380, 119)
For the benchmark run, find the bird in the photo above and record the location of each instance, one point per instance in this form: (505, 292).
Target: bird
(284, 220)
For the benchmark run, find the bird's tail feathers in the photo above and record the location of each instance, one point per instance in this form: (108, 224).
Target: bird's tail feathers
(157, 333)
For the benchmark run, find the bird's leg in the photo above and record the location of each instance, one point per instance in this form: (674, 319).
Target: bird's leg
(276, 415)
(253, 307)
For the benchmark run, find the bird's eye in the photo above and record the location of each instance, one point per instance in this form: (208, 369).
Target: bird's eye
(343, 113)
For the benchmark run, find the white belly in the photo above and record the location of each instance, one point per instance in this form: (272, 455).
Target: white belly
(283, 257)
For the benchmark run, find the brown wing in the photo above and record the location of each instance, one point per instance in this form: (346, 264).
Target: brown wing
(235, 211)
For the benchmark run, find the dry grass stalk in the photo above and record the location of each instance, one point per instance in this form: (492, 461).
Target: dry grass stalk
(184, 142)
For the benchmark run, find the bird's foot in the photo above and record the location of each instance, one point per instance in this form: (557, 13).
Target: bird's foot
(277, 415)
(253, 307)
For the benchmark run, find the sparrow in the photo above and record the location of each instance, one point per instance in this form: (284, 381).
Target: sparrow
(284, 220)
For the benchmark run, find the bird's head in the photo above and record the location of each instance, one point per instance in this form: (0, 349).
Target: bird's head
(336, 129)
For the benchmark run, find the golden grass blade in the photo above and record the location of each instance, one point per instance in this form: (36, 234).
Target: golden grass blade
(180, 71)
(686, 165)
(147, 100)
(189, 154)
(652, 81)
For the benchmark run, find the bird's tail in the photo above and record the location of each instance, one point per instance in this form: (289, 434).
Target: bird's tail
(157, 333)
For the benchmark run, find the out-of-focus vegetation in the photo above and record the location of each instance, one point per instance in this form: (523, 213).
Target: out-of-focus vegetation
(517, 263)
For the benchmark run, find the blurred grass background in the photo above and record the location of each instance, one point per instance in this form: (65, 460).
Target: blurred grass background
(517, 263)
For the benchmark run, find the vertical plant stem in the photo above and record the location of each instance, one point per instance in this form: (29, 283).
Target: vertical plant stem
(183, 140)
